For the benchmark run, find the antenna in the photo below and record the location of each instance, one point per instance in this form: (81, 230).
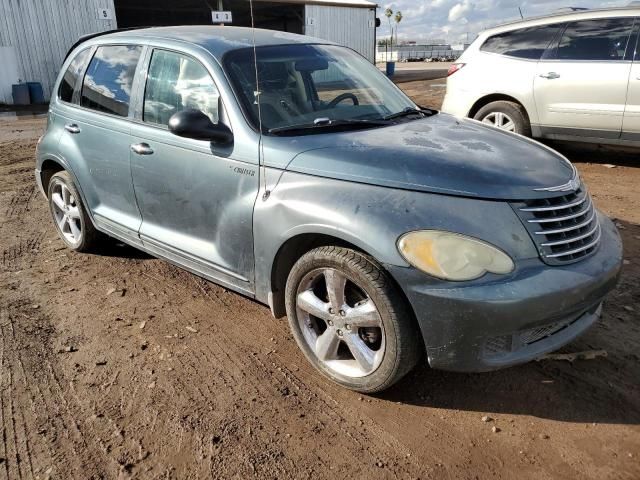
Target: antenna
(261, 167)
(520, 10)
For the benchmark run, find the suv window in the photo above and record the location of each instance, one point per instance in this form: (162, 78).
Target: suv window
(70, 77)
(524, 43)
(107, 83)
(176, 82)
(601, 39)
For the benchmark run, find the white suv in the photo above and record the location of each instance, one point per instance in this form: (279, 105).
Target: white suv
(569, 76)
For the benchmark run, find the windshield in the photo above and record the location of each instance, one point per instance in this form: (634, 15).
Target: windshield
(312, 85)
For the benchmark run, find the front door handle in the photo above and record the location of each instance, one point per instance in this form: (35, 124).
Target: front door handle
(550, 75)
(72, 128)
(141, 149)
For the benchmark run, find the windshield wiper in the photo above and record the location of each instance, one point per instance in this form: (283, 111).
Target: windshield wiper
(321, 124)
(409, 111)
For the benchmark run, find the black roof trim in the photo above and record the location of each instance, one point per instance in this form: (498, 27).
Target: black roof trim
(84, 38)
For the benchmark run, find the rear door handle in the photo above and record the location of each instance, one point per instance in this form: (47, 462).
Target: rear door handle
(72, 128)
(141, 149)
(550, 75)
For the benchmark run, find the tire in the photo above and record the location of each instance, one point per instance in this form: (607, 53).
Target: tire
(371, 319)
(70, 217)
(502, 109)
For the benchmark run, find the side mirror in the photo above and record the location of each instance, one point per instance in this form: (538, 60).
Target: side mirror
(195, 124)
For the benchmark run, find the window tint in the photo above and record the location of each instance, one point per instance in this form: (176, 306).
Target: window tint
(177, 83)
(68, 82)
(107, 83)
(602, 39)
(524, 43)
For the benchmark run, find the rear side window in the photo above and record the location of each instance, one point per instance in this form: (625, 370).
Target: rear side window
(176, 82)
(601, 39)
(107, 83)
(527, 43)
(70, 77)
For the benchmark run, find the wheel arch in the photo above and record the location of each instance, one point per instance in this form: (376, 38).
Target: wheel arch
(496, 97)
(48, 169)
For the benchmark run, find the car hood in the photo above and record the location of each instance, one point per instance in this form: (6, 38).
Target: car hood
(440, 154)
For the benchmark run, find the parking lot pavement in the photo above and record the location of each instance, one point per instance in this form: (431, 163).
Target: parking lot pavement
(120, 365)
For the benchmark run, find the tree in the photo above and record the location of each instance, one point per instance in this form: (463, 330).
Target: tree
(389, 13)
(398, 19)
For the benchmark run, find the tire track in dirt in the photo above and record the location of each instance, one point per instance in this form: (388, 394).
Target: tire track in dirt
(20, 202)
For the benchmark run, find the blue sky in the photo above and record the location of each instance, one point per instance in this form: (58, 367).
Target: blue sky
(451, 19)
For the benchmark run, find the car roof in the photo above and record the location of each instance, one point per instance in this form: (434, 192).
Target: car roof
(215, 38)
(628, 11)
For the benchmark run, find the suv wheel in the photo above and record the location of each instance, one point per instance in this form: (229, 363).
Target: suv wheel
(349, 319)
(508, 116)
(69, 215)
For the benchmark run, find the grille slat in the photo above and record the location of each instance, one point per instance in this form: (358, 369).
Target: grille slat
(565, 228)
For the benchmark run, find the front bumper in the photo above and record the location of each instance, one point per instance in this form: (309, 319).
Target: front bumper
(496, 322)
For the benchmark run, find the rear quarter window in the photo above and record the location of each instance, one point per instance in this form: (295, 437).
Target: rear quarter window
(529, 43)
(70, 77)
(109, 77)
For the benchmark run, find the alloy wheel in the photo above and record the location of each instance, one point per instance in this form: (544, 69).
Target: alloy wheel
(500, 120)
(340, 323)
(66, 213)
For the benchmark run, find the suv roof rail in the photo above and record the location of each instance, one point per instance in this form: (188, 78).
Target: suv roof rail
(89, 36)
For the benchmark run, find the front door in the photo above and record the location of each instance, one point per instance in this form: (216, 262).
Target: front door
(581, 83)
(196, 200)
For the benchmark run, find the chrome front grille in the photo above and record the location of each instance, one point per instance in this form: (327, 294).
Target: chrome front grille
(564, 228)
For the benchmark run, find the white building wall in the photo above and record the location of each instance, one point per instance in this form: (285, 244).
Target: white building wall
(42, 31)
(349, 26)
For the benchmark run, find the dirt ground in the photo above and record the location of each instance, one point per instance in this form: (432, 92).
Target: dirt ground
(118, 365)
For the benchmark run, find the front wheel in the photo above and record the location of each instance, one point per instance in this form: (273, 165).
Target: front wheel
(349, 319)
(505, 115)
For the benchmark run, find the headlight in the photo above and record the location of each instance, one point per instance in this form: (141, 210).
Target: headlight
(451, 256)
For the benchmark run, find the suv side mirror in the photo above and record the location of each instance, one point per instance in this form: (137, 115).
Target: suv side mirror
(195, 124)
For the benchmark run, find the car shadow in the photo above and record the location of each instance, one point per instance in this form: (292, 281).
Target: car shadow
(604, 389)
(114, 248)
(595, 153)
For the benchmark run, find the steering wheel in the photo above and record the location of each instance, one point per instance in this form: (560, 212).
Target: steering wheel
(343, 96)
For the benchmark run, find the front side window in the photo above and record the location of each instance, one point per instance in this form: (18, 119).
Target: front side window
(107, 83)
(527, 43)
(70, 77)
(311, 85)
(601, 39)
(175, 83)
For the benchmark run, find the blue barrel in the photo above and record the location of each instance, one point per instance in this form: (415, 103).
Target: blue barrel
(20, 92)
(391, 69)
(35, 92)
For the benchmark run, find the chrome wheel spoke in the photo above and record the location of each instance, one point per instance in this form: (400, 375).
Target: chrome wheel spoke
(363, 315)
(327, 344)
(310, 303)
(364, 356)
(73, 213)
(65, 195)
(336, 283)
(57, 201)
(509, 126)
(75, 230)
(62, 222)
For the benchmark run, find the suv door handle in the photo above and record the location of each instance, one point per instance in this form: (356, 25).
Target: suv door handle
(550, 75)
(72, 128)
(141, 149)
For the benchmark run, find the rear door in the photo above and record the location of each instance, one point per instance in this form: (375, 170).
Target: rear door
(581, 82)
(96, 139)
(631, 123)
(195, 197)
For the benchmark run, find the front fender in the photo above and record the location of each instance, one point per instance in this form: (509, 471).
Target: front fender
(373, 218)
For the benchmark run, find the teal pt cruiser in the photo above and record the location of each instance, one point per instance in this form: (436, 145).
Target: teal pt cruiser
(290, 170)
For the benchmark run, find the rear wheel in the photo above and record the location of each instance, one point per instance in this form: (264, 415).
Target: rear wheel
(505, 115)
(349, 319)
(69, 215)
